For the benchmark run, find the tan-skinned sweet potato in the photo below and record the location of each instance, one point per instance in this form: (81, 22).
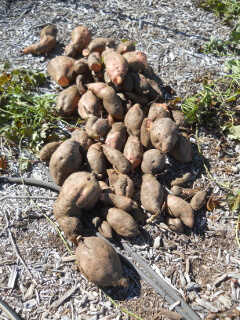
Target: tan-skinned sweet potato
(133, 151)
(145, 133)
(104, 187)
(126, 46)
(47, 150)
(179, 117)
(96, 88)
(164, 134)
(94, 61)
(181, 180)
(82, 80)
(153, 161)
(47, 43)
(103, 227)
(151, 194)
(117, 136)
(179, 208)
(81, 37)
(175, 224)
(140, 83)
(184, 193)
(137, 213)
(99, 262)
(79, 191)
(61, 69)
(89, 105)
(97, 161)
(116, 66)
(96, 127)
(67, 101)
(100, 44)
(121, 202)
(198, 200)
(71, 226)
(155, 92)
(83, 139)
(121, 222)
(120, 183)
(182, 151)
(117, 159)
(137, 60)
(64, 161)
(158, 110)
(81, 66)
(133, 120)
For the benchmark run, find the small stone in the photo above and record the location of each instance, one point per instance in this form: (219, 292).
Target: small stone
(157, 243)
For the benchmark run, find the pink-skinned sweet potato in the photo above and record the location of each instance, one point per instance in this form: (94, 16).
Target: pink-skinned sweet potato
(61, 69)
(133, 151)
(145, 133)
(82, 138)
(126, 46)
(89, 105)
(97, 161)
(179, 208)
(117, 136)
(164, 134)
(71, 226)
(96, 127)
(117, 159)
(67, 101)
(99, 262)
(158, 110)
(94, 61)
(81, 37)
(100, 44)
(113, 200)
(137, 60)
(120, 183)
(116, 66)
(47, 150)
(64, 161)
(182, 150)
(47, 43)
(153, 161)
(133, 120)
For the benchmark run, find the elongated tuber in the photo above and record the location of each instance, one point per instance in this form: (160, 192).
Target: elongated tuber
(81, 37)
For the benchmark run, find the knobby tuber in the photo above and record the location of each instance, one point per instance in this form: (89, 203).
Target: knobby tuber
(81, 37)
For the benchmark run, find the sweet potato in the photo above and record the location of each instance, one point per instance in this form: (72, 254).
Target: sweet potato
(103, 227)
(179, 118)
(151, 194)
(145, 133)
(136, 98)
(133, 151)
(82, 138)
(82, 80)
(158, 110)
(155, 92)
(128, 83)
(81, 66)
(184, 193)
(100, 44)
(81, 37)
(96, 161)
(137, 213)
(89, 105)
(140, 83)
(153, 161)
(96, 127)
(175, 224)
(94, 61)
(80, 190)
(198, 200)
(99, 262)
(96, 88)
(137, 60)
(116, 66)
(179, 208)
(117, 136)
(121, 202)
(133, 120)
(64, 161)
(47, 150)
(121, 222)
(61, 69)
(117, 159)
(182, 150)
(181, 180)
(47, 43)
(164, 134)
(126, 46)
(71, 226)
(67, 101)
(104, 187)
(120, 183)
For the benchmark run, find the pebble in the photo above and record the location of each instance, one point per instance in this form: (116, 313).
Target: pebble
(157, 242)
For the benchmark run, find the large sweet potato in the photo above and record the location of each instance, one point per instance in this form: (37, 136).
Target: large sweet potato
(133, 120)
(117, 136)
(182, 150)
(99, 262)
(96, 127)
(116, 66)
(137, 60)
(47, 150)
(81, 37)
(96, 161)
(61, 69)
(67, 101)
(133, 151)
(153, 161)
(120, 183)
(158, 110)
(89, 105)
(117, 159)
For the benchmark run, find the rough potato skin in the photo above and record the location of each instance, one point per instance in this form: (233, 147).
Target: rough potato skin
(153, 161)
(179, 208)
(121, 202)
(179, 118)
(96, 161)
(175, 224)
(122, 222)
(82, 138)
(164, 134)
(133, 120)
(81, 37)
(151, 194)
(117, 136)
(158, 110)
(94, 251)
(71, 226)
(198, 200)
(182, 150)
(116, 66)
(96, 127)
(133, 151)
(80, 190)
(64, 161)
(120, 183)
(117, 159)
(103, 227)
(47, 150)
(61, 69)
(100, 44)
(112, 103)
(67, 102)
(89, 105)
(145, 133)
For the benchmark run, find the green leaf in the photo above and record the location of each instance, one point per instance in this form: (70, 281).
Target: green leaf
(233, 201)
(234, 132)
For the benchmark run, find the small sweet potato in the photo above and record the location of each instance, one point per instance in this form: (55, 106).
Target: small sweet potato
(81, 66)
(47, 150)
(82, 138)
(133, 120)
(103, 227)
(164, 134)
(117, 136)
(96, 127)
(179, 208)
(47, 43)
(104, 187)
(99, 262)
(137, 60)
(145, 133)
(126, 46)
(112, 103)
(116, 66)
(155, 92)
(175, 224)
(89, 105)
(120, 183)
(61, 69)
(121, 202)
(81, 37)
(64, 161)
(117, 159)
(179, 118)
(182, 150)
(71, 226)
(140, 83)
(100, 44)
(67, 101)
(96, 161)
(137, 213)
(198, 200)
(151, 194)
(94, 61)
(184, 193)
(121, 222)
(82, 80)
(133, 151)
(153, 161)
(158, 110)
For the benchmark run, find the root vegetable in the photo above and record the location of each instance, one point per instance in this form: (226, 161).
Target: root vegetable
(137, 213)
(164, 134)
(71, 226)
(125, 46)
(99, 262)
(158, 110)
(47, 43)
(81, 37)
(136, 98)
(96, 127)
(155, 92)
(153, 161)
(82, 138)
(145, 133)
(137, 61)
(121, 202)
(47, 150)
(179, 118)
(96, 88)
(128, 83)
(96, 161)
(184, 193)
(104, 187)
(67, 102)
(133, 151)
(89, 105)
(183, 179)
(182, 150)
(81, 66)
(61, 69)
(103, 227)
(116, 66)
(140, 83)
(175, 225)
(198, 200)
(120, 183)
(82, 80)
(100, 44)
(64, 161)
(117, 136)
(117, 159)
(133, 120)
(94, 61)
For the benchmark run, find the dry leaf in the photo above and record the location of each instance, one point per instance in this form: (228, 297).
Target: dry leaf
(212, 203)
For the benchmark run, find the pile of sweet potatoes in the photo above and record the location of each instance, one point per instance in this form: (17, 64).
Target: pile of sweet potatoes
(126, 134)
